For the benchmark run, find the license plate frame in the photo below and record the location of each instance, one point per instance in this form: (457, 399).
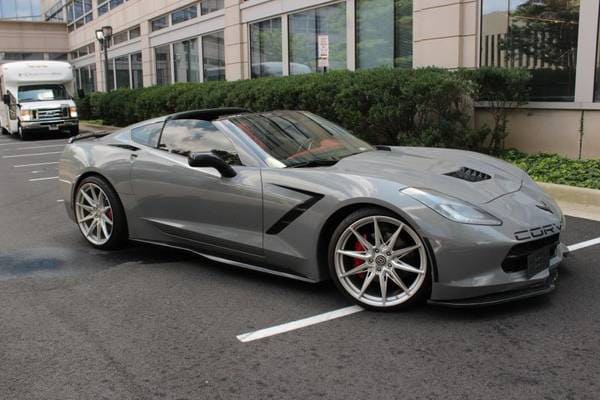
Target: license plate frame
(54, 127)
(538, 261)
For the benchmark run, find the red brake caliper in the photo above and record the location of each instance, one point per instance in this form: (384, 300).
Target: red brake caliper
(356, 261)
(109, 214)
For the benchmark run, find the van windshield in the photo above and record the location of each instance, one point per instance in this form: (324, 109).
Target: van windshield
(42, 93)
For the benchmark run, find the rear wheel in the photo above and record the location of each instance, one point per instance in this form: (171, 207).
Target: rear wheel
(99, 214)
(379, 261)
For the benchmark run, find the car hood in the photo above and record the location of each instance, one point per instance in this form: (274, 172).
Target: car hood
(429, 168)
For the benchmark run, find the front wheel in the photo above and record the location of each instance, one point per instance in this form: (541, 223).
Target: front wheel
(73, 131)
(379, 261)
(23, 135)
(99, 214)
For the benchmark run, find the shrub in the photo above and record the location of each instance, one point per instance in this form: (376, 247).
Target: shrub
(502, 89)
(430, 107)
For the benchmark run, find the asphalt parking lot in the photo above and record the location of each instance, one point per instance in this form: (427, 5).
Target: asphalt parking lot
(145, 322)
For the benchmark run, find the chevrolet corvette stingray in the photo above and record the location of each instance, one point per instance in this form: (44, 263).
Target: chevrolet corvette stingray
(293, 194)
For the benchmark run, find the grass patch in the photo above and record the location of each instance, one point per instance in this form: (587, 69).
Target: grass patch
(552, 168)
(93, 121)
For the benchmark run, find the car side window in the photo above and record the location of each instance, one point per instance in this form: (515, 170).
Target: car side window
(185, 136)
(147, 135)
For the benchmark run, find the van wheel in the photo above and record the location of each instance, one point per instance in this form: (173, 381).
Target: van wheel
(22, 134)
(74, 131)
(5, 132)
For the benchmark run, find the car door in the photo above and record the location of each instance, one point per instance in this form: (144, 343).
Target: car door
(197, 207)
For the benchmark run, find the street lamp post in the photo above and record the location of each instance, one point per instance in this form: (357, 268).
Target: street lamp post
(103, 35)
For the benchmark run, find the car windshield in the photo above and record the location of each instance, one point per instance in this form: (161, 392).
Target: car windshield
(42, 93)
(299, 139)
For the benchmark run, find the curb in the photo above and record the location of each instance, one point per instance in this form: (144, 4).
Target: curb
(575, 201)
(97, 128)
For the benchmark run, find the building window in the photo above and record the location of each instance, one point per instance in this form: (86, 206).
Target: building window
(21, 10)
(163, 64)
(305, 29)
(10, 56)
(111, 75)
(83, 51)
(538, 35)
(184, 14)
(105, 6)
(55, 13)
(79, 13)
(122, 75)
(58, 56)
(135, 33)
(208, 6)
(159, 23)
(384, 33)
(213, 56)
(186, 61)
(265, 48)
(86, 78)
(137, 74)
(120, 37)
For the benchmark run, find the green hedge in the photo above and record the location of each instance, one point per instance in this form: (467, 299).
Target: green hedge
(429, 107)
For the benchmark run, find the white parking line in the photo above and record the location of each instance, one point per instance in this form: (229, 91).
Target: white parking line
(32, 155)
(342, 312)
(43, 179)
(14, 143)
(40, 147)
(583, 245)
(301, 323)
(60, 201)
(35, 165)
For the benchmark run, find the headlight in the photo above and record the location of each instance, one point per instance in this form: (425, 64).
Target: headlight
(73, 112)
(26, 115)
(452, 208)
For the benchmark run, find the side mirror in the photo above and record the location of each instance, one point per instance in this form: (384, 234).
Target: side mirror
(211, 160)
(6, 99)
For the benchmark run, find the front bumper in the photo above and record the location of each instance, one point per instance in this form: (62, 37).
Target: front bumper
(50, 125)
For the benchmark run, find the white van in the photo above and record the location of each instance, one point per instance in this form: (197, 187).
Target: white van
(37, 97)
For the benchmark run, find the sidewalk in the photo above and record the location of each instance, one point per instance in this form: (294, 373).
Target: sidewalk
(575, 201)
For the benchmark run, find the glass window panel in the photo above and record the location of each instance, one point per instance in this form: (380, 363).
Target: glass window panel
(87, 5)
(78, 8)
(187, 63)
(403, 37)
(147, 135)
(213, 52)
(8, 9)
(57, 56)
(538, 35)
(115, 3)
(102, 9)
(70, 13)
(305, 27)
(184, 14)
(111, 74)
(89, 17)
(122, 72)
(135, 33)
(137, 75)
(208, 6)
(189, 136)
(163, 65)
(374, 33)
(160, 23)
(32, 56)
(120, 37)
(265, 48)
(24, 10)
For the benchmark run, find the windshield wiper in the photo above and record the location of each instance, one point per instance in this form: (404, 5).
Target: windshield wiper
(313, 163)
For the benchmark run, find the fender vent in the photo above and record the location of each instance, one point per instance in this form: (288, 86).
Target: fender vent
(470, 175)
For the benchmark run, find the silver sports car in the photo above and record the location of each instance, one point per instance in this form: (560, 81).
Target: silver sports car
(293, 194)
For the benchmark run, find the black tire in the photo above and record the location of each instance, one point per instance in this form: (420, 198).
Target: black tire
(74, 131)
(423, 292)
(119, 235)
(23, 135)
(4, 131)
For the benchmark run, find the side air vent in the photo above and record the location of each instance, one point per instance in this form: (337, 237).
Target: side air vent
(468, 174)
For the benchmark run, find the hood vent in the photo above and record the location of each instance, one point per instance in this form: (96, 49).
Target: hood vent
(470, 175)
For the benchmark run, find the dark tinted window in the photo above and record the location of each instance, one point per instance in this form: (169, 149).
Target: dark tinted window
(195, 136)
(147, 135)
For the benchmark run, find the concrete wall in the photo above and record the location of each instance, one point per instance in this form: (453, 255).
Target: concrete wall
(574, 133)
(33, 37)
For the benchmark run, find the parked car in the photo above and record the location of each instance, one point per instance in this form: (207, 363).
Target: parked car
(37, 97)
(293, 194)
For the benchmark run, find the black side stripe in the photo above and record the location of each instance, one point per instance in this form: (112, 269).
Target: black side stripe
(295, 212)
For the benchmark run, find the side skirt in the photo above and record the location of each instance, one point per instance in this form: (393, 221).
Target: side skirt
(229, 262)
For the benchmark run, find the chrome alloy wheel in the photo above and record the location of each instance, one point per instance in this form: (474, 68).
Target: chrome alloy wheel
(380, 261)
(94, 214)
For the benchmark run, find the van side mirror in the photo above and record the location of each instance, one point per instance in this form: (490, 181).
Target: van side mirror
(210, 160)
(6, 99)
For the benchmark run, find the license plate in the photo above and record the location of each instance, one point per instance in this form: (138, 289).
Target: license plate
(53, 127)
(538, 261)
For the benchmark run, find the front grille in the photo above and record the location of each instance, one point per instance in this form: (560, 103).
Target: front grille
(469, 174)
(52, 113)
(516, 260)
